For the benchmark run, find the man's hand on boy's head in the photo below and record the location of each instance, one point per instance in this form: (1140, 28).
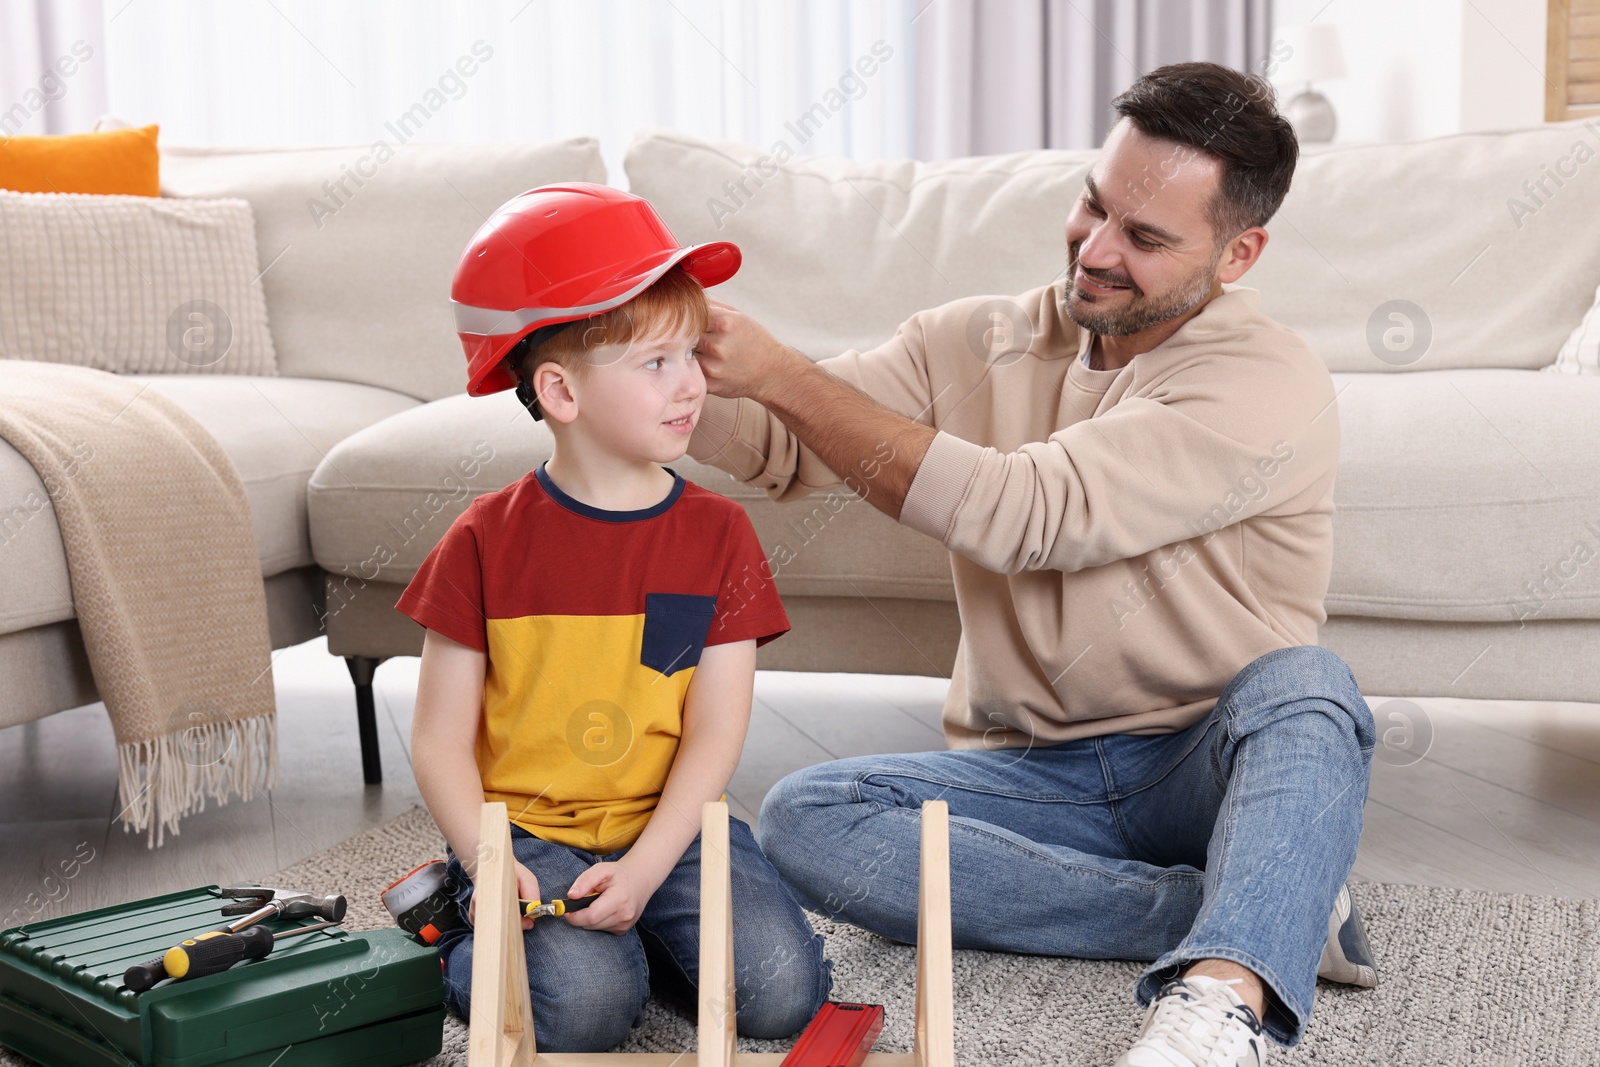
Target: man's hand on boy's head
(737, 354)
(624, 888)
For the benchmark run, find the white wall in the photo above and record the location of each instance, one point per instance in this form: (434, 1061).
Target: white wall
(1426, 68)
(1502, 78)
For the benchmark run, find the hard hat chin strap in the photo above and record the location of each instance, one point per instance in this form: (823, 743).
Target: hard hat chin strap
(529, 401)
(518, 355)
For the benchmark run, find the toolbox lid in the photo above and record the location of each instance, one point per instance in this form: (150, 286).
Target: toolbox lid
(69, 971)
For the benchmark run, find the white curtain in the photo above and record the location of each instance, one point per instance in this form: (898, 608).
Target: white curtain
(1009, 76)
(896, 79)
(52, 66)
(288, 72)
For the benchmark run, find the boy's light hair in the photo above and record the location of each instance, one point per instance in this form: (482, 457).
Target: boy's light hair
(674, 302)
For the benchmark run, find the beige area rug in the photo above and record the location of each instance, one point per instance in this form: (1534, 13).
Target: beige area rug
(1486, 979)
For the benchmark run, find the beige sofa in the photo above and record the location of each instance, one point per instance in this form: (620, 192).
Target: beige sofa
(357, 306)
(1468, 481)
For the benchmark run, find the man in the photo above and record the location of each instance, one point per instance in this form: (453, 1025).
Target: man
(1150, 758)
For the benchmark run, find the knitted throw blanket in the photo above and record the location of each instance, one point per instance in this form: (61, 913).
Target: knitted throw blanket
(166, 583)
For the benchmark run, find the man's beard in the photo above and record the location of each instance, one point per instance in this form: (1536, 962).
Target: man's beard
(1142, 311)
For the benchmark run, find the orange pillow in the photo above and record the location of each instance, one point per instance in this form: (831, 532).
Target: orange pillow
(119, 161)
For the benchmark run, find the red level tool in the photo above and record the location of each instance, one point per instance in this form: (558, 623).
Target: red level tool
(840, 1035)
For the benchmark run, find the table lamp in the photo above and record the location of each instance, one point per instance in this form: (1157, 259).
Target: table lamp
(1314, 55)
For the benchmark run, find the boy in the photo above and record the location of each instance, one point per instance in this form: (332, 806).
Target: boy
(592, 629)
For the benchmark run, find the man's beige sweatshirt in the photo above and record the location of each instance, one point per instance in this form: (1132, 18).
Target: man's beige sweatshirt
(1123, 542)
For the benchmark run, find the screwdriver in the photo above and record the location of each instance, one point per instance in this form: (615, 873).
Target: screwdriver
(218, 950)
(142, 976)
(557, 907)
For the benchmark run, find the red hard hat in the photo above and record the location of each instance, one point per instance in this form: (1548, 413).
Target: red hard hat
(560, 253)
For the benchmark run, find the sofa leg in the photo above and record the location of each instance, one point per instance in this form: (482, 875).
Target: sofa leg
(362, 669)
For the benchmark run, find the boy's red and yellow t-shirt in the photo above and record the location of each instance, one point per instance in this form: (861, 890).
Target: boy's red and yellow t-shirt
(593, 622)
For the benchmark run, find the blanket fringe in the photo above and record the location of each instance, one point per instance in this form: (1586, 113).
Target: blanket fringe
(168, 777)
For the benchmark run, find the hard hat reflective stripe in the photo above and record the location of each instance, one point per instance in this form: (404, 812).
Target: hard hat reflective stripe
(491, 322)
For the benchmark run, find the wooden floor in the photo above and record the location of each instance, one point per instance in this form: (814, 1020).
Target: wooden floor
(1505, 796)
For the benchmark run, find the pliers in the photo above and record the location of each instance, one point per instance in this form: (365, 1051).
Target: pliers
(556, 907)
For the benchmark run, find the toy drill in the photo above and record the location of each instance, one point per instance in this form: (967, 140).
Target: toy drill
(421, 902)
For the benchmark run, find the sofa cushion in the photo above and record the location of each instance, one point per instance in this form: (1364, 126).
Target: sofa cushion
(276, 431)
(1581, 352)
(1475, 230)
(133, 284)
(359, 245)
(122, 162)
(1467, 496)
(385, 496)
(838, 253)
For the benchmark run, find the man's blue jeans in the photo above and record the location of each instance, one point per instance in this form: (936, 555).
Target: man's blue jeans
(589, 987)
(1228, 840)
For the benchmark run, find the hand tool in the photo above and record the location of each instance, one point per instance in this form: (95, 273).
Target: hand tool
(840, 1035)
(558, 906)
(422, 903)
(217, 950)
(259, 902)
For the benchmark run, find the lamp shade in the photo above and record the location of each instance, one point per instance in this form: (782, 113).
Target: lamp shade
(1314, 54)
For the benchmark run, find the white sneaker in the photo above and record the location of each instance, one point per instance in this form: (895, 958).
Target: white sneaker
(1347, 956)
(1198, 1022)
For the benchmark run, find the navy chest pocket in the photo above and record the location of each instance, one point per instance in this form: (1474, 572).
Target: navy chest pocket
(675, 628)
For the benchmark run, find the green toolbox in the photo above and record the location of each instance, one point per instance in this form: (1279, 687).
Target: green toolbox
(332, 996)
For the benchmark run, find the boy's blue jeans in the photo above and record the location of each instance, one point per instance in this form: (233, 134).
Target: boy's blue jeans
(589, 987)
(1227, 840)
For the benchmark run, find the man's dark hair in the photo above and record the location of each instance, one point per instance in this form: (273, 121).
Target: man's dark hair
(1226, 114)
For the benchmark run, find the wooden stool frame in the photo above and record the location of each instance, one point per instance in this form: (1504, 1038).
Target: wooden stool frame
(502, 1025)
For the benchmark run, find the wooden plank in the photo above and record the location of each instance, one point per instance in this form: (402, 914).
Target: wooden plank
(935, 1042)
(717, 1032)
(1555, 61)
(54, 867)
(63, 766)
(1570, 729)
(935, 1022)
(682, 1059)
(501, 1028)
(1528, 749)
(1572, 60)
(223, 845)
(1555, 849)
(1401, 849)
(773, 748)
(1582, 72)
(319, 767)
(612, 1059)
